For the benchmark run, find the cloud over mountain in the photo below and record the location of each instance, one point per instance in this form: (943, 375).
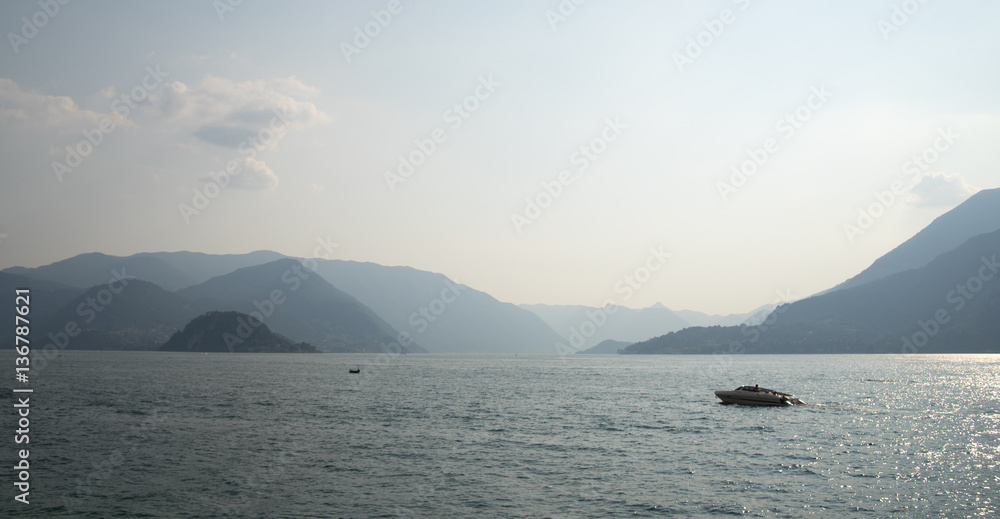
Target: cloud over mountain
(941, 189)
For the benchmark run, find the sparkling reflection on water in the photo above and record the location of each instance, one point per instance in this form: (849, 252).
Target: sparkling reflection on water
(186, 435)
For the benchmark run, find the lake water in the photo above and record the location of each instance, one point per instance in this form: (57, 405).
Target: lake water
(121, 434)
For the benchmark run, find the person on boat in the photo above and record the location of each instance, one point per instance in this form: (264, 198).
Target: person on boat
(756, 387)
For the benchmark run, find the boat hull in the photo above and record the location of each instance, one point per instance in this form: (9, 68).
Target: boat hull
(755, 398)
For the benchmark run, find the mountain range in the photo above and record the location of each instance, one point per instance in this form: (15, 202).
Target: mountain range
(947, 304)
(170, 270)
(296, 302)
(630, 325)
(439, 313)
(979, 214)
(138, 313)
(933, 292)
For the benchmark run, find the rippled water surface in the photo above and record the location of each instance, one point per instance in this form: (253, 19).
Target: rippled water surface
(187, 435)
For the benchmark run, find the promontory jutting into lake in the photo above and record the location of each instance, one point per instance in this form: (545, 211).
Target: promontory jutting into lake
(449, 259)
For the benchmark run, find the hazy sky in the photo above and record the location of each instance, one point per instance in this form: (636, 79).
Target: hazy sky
(633, 113)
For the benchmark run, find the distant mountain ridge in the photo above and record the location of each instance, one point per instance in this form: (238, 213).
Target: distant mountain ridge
(46, 297)
(950, 305)
(129, 315)
(442, 315)
(407, 299)
(170, 270)
(125, 312)
(979, 214)
(628, 325)
(297, 303)
(583, 327)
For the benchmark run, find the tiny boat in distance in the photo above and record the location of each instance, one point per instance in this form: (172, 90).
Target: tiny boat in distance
(756, 395)
(354, 370)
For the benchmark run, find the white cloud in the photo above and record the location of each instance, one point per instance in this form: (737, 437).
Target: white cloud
(25, 111)
(252, 174)
(225, 113)
(940, 189)
(255, 175)
(228, 114)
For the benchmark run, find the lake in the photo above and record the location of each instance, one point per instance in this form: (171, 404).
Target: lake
(149, 434)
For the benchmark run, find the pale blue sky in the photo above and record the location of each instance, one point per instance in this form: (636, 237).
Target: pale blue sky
(654, 186)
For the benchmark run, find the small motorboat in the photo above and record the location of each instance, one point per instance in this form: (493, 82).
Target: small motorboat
(756, 395)
(354, 370)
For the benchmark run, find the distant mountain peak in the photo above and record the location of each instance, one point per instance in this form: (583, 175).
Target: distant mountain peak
(979, 214)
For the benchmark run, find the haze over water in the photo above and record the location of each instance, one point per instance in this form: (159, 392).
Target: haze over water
(191, 435)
